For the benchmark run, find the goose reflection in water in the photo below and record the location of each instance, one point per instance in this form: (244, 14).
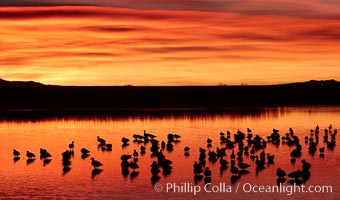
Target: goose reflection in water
(95, 172)
(30, 161)
(66, 170)
(46, 161)
(30, 157)
(133, 175)
(16, 159)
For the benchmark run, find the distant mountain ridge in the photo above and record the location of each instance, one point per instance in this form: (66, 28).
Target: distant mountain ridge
(33, 83)
(19, 83)
(16, 95)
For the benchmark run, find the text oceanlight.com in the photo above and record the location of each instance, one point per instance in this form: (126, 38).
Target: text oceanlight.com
(244, 187)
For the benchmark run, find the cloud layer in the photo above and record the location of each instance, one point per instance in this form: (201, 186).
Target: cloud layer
(293, 8)
(87, 45)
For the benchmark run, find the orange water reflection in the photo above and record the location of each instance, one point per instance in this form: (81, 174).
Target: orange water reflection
(22, 180)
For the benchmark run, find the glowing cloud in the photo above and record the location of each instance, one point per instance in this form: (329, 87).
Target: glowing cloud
(87, 45)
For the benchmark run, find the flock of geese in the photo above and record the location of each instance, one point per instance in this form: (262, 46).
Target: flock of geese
(241, 145)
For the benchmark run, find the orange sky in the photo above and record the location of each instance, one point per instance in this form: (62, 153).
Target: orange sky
(88, 45)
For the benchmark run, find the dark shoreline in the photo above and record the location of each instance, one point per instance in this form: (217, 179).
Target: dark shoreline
(27, 96)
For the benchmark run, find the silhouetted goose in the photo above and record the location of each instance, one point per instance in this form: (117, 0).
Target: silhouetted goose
(71, 146)
(125, 140)
(149, 135)
(262, 155)
(162, 145)
(101, 141)
(234, 170)
(207, 172)
(84, 151)
(322, 149)
(306, 165)
(270, 158)
(30, 155)
(135, 153)
(209, 141)
(169, 146)
(186, 149)
(243, 165)
(142, 150)
(305, 174)
(232, 155)
(177, 136)
(166, 166)
(221, 152)
(198, 178)
(252, 152)
(42, 151)
(295, 153)
(95, 163)
(16, 153)
(125, 165)
(125, 157)
(295, 174)
(108, 147)
(212, 156)
(66, 163)
(125, 171)
(44, 154)
(259, 163)
(154, 168)
(133, 165)
(66, 155)
(223, 164)
(243, 172)
(280, 173)
(197, 168)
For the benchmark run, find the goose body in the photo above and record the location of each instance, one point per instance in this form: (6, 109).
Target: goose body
(30, 155)
(133, 165)
(243, 165)
(101, 140)
(207, 172)
(295, 174)
(280, 173)
(16, 153)
(125, 140)
(135, 153)
(125, 157)
(71, 146)
(306, 165)
(84, 151)
(95, 163)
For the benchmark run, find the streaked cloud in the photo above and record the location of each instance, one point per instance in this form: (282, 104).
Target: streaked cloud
(88, 45)
(302, 8)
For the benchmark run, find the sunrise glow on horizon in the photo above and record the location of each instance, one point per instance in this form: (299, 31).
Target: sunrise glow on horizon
(106, 45)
